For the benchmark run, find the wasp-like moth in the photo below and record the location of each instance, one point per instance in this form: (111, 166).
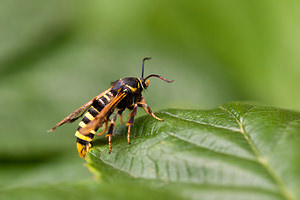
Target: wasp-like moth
(124, 93)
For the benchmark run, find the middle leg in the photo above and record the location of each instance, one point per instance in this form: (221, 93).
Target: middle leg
(130, 120)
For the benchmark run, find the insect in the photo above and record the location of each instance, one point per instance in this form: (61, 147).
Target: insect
(124, 93)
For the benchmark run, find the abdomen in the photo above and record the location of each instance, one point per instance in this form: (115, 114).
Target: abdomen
(84, 141)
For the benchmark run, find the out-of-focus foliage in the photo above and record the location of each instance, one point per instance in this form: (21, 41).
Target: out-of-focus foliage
(57, 55)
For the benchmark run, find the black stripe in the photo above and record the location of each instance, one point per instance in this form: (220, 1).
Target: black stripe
(86, 120)
(93, 112)
(79, 127)
(90, 135)
(111, 94)
(108, 94)
(114, 92)
(98, 105)
(104, 100)
(83, 142)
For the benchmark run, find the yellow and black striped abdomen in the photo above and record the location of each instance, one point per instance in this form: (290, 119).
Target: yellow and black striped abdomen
(84, 141)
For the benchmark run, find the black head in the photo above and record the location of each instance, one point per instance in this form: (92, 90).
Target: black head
(145, 81)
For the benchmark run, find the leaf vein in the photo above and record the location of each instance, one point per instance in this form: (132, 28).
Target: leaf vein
(197, 145)
(283, 190)
(201, 123)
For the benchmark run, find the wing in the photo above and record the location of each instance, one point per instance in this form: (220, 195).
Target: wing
(101, 117)
(79, 112)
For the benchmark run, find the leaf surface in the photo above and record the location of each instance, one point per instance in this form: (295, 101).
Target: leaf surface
(238, 150)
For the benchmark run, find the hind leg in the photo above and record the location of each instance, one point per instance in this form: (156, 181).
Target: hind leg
(105, 129)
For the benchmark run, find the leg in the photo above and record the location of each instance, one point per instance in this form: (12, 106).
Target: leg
(120, 111)
(147, 109)
(110, 131)
(143, 101)
(105, 128)
(130, 121)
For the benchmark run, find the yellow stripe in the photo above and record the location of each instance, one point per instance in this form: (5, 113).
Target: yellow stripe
(95, 108)
(83, 137)
(82, 124)
(101, 101)
(106, 97)
(89, 116)
(140, 83)
(131, 88)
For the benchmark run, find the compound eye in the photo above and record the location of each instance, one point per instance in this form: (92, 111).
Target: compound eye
(147, 83)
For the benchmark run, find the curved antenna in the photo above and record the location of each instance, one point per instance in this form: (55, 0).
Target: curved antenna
(162, 78)
(148, 58)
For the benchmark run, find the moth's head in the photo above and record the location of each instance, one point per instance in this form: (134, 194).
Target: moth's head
(146, 81)
(145, 84)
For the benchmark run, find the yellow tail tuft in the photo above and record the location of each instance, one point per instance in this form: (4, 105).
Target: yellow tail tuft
(83, 149)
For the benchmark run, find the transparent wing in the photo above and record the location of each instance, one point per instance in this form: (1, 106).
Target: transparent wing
(79, 112)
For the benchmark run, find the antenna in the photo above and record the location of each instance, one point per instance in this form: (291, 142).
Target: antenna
(162, 78)
(148, 58)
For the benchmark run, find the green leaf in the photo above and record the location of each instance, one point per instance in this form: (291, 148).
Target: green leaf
(236, 151)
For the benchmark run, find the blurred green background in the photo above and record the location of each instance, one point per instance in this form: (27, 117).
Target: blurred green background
(57, 55)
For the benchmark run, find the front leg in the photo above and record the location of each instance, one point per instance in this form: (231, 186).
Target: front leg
(147, 109)
(133, 114)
